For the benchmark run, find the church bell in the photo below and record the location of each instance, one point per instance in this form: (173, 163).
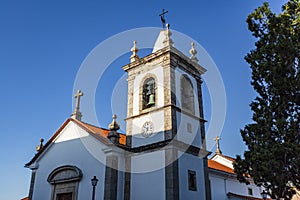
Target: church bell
(151, 101)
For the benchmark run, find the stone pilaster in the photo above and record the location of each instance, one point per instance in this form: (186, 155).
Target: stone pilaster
(203, 139)
(171, 174)
(33, 172)
(130, 82)
(206, 179)
(127, 177)
(201, 114)
(111, 178)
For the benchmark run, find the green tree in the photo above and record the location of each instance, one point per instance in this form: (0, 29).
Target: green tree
(272, 158)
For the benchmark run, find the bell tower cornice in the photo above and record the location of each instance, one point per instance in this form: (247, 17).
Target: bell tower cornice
(164, 55)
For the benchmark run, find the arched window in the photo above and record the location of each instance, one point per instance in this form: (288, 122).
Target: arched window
(148, 93)
(187, 95)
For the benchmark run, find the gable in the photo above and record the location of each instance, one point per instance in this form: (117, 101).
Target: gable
(70, 132)
(73, 129)
(224, 160)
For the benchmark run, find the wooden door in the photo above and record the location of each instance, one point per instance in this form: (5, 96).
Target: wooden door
(64, 196)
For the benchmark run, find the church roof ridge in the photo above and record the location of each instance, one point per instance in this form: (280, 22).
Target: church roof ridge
(224, 156)
(106, 129)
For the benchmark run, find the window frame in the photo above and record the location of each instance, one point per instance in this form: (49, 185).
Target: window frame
(192, 180)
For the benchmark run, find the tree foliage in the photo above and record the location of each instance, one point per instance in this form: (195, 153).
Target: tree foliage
(272, 159)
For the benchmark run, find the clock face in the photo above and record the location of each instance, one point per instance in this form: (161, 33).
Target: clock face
(147, 129)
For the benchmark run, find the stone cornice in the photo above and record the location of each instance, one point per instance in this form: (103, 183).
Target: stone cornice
(171, 143)
(147, 111)
(167, 50)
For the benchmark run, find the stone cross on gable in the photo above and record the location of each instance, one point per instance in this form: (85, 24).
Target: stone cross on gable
(77, 97)
(77, 114)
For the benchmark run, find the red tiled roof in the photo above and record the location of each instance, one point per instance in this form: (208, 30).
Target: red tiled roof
(218, 166)
(25, 198)
(97, 132)
(242, 197)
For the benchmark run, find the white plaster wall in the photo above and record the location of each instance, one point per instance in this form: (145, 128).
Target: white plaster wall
(148, 176)
(70, 150)
(217, 187)
(223, 161)
(234, 186)
(183, 135)
(158, 72)
(189, 162)
(221, 185)
(157, 118)
(178, 74)
(159, 41)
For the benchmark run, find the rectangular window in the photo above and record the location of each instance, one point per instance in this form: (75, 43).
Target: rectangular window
(250, 192)
(189, 127)
(192, 180)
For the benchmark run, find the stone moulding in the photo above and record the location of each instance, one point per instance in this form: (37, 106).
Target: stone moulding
(66, 173)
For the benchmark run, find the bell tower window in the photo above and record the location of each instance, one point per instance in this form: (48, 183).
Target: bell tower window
(148, 93)
(187, 95)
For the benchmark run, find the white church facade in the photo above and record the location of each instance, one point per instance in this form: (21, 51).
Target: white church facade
(163, 153)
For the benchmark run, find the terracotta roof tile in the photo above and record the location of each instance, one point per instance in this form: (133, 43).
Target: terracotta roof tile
(218, 166)
(100, 131)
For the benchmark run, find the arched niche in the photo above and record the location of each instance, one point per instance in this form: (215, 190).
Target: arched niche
(187, 94)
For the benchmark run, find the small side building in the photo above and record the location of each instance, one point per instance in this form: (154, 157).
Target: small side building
(223, 181)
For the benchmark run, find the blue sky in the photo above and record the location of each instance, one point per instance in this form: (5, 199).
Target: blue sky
(42, 45)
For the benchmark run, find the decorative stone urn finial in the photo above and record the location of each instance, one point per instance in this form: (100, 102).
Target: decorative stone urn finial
(40, 146)
(168, 41)
(113, 135)
(193, 53)
(114, 126)
(134, 50)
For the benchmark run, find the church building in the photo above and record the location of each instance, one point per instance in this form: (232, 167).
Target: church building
(161, 156)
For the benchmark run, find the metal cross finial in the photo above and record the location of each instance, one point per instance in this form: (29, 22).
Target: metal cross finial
(218, 150)
(162, 17)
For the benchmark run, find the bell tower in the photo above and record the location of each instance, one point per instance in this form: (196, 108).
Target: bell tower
(164, 95)
(165, 119)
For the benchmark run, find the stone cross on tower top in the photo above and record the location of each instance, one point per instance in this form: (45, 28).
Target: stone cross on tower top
(77, 114)
(218, 150)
